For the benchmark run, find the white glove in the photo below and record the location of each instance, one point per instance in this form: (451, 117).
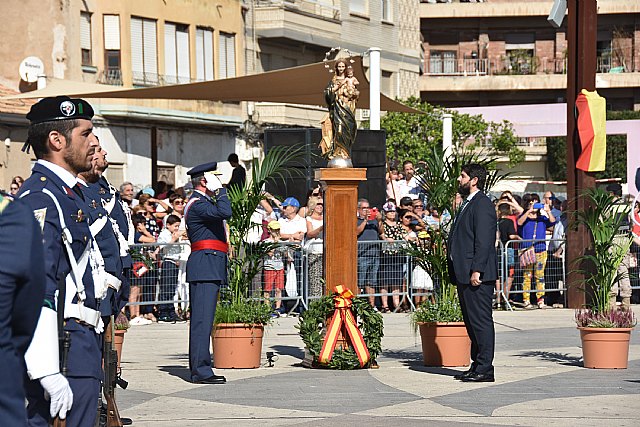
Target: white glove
(213, 183)
(57, 388)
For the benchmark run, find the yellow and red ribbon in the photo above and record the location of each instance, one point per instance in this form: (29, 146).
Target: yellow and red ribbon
(343, 316)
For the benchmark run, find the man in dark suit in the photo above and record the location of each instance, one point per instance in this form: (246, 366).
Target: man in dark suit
(473, 267)
(22, 281)
(204, 216)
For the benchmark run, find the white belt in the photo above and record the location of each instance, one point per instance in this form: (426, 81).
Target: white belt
(85, 314)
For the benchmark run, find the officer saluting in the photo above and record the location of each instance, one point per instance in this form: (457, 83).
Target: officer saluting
(21, 296)
(204, 215)
(61, 136)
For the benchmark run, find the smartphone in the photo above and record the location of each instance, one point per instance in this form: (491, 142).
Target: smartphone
(538, 206)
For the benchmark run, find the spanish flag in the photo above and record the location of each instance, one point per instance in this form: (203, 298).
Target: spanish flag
(592, 121)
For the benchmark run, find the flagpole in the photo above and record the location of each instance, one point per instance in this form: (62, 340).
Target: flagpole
(581, 74)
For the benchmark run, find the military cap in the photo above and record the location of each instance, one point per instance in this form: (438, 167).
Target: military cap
(206, 167)
(59, 108)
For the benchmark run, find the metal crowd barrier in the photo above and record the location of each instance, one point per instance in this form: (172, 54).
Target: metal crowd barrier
(386, 276)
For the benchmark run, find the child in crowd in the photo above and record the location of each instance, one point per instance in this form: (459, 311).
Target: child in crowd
(170, 257)
(274, 267)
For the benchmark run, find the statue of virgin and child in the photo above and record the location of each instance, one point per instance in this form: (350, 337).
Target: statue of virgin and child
(339, 126)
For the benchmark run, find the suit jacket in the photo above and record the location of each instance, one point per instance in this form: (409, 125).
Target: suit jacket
(472, 242)
(204, 217)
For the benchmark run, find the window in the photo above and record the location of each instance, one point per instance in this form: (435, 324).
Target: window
(144, 63)
(176, 53)
(358, 6)
(386, 10)
(112, 59)
(204, 54)
(85, 38)
(442, 62)
(227, 62)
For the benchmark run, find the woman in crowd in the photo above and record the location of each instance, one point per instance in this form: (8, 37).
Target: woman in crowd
(506, 232)
(532, 225)
(313, 196)
(314, 246)
(148, 210)
(16, 183)
(391, 274)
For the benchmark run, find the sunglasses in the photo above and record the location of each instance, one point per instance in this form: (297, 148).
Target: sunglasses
(419, 206)
(14, 188)
(406, 217)
(178, 202)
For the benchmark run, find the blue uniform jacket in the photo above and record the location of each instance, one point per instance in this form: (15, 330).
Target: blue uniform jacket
(117, 213)
(21, 296)
(84, 358)
(205, 221)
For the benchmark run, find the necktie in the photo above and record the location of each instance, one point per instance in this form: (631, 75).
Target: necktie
(76, 189)
(464, 203)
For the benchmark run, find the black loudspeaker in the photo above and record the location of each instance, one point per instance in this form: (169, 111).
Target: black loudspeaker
(369, 151)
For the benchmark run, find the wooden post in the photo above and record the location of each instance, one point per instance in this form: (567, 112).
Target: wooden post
(340, 187)
(582, 29)
(154, 157)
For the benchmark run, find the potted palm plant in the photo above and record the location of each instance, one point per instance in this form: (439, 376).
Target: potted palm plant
(444, 337)
(240, 319)
(605, 330)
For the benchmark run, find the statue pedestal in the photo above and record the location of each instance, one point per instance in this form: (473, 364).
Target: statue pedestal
(340, 187)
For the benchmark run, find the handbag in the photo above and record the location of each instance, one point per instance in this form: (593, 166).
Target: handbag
(528, 256)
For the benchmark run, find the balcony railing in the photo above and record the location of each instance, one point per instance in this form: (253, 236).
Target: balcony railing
(110, 77)
(521, 66)
(328, 9)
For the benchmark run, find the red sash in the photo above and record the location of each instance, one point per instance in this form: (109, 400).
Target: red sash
(214, 245)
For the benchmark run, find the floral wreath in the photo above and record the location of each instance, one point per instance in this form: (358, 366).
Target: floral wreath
(317, 322)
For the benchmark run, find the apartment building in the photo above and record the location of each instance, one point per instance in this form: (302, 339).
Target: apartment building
(134, 44)
(289, 33)
(504, 52)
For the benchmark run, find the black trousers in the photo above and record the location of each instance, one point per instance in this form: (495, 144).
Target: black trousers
(478, 318)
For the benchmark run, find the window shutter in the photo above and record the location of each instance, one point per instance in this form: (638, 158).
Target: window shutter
(150, 50)
(231, 55)
(199, 54)
(111, 32)
(170, 73)
(222, 54)
(85, 31)
(208, 55)
(137, 59)
(182, 46)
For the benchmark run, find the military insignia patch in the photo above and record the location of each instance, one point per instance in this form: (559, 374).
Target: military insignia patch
(79, 217)
(40, 215)
(67, 108)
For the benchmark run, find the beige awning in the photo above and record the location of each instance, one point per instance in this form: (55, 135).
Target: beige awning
(298, 85)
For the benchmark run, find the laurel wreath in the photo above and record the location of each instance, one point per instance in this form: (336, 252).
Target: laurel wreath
(314, 322)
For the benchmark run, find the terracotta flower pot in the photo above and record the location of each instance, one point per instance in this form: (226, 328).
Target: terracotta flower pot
(445, 344)
(605, 348)
(118, 340)
(236, 345)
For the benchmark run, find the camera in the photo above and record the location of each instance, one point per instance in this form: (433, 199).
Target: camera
(538, 206)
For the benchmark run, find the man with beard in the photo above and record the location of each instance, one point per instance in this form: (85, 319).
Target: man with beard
(473, 268)
(101, 207)
(61, 135)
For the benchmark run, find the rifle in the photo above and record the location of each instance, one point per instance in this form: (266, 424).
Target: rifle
(111, 377)
(64, 338)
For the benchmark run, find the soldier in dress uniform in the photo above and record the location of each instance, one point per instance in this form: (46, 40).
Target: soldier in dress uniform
(21, 297)
(204, 215)
(104, 234)
(61, 135)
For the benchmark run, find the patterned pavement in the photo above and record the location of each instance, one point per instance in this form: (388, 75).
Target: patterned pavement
(539, 381)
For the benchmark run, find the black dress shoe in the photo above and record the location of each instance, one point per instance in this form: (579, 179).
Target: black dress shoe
(215, 379)
(462, 375)
(478, 378)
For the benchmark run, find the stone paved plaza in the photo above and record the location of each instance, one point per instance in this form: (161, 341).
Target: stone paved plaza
(539, 381)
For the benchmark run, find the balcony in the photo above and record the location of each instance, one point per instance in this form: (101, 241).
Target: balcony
(290, 114)
(310, 21)
(111, 77)
(515, 73)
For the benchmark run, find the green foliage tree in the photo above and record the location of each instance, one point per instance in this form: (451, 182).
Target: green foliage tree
(412, 136)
